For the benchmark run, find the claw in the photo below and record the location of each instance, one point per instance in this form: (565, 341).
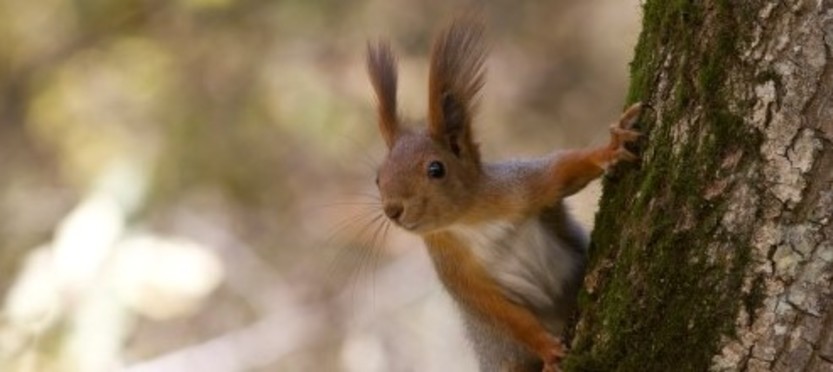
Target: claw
(624, 154)
(554, 355)
(622, 133)
(625, 135)
(630, 116)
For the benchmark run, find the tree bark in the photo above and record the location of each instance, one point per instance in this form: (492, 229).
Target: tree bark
(716, 252)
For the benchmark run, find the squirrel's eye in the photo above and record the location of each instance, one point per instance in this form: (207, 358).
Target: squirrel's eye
(436, 169)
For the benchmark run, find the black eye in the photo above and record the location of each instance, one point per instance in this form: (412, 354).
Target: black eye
(436, 169)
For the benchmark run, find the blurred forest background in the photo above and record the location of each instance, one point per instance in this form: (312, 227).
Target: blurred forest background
(185, 185)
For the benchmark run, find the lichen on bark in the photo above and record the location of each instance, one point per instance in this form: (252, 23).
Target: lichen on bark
(714, 251)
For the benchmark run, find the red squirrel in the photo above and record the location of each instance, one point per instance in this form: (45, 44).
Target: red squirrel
(498, 234)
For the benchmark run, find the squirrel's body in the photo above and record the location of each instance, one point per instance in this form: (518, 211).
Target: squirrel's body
(498, 234)
(537, 262)
(536, 258)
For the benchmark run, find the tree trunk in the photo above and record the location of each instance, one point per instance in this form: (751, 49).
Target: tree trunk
(716, 252)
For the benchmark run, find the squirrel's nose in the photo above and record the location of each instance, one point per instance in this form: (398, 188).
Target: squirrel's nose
(394, 210)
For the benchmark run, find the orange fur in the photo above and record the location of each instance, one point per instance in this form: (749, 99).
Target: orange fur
(572, 170)
(523, 197)
(469, 282)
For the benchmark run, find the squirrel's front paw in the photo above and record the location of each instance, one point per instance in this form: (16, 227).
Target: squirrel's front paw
(553, 356)
(622, 133)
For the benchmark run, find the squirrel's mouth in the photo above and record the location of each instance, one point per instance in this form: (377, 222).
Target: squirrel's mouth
(419, 227)
(410, 226)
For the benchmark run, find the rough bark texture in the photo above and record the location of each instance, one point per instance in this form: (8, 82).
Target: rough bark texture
(716, 253)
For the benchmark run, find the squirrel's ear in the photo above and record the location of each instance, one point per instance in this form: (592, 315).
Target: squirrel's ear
(381, 65)
(455, 79)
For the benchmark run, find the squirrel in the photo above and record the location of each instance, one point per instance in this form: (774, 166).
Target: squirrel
(498, 234)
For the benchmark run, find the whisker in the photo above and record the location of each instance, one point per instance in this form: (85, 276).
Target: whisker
(337, 205)
(366, 195)
(343, 254)
(351, 203)
(365, 256)
(384, 239)
(361, 256)
(348, 222)
(375, 257)
(372, 165)
(367, 159)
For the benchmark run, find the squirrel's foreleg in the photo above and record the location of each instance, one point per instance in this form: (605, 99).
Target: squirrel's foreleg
(572, 170)
(474, 288)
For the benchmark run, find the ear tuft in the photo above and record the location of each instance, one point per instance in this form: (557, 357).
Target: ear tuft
(455, 80)
(381, 66)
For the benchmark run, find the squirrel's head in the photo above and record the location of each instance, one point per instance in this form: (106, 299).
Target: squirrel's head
(429, 177)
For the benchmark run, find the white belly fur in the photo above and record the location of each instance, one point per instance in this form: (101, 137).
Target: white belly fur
(530, 263)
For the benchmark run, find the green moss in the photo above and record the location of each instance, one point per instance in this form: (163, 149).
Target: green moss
(662, 301)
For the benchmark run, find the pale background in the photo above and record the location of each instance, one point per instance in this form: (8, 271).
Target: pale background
(183, 184)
